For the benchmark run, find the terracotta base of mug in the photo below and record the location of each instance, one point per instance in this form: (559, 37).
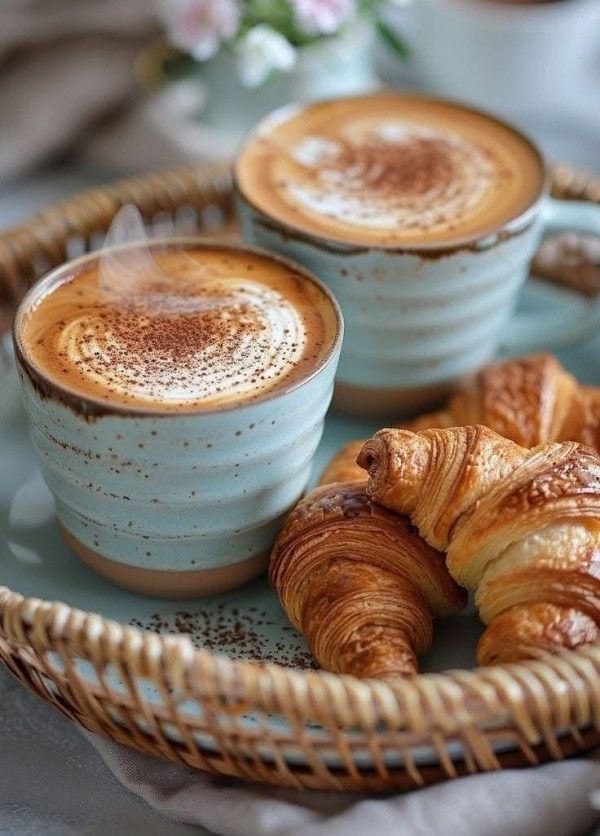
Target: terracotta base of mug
(365, 402)
(158, 583)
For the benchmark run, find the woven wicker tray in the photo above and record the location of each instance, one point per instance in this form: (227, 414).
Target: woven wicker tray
(291, 727)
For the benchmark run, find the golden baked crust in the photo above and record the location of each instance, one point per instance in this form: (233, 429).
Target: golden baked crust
(530, 400)
(521, 528)
(526, 400)
(360, 583)
(343, 467)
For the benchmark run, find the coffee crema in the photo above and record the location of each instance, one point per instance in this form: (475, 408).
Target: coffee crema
(389, 170)
(179, 329)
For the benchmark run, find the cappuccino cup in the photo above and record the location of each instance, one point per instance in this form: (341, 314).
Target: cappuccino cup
(531, 60)
(422, 216)
(176, 393)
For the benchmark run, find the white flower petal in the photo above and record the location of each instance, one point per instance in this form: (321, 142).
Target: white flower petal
(200, 26)
(322, 17)
(262, 51)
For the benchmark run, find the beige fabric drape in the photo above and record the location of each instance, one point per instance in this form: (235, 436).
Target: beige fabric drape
(66, 69)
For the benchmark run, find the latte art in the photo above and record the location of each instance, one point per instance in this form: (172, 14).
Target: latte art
(210, 328)
(388, 170)
(394, 174)
(241, 341)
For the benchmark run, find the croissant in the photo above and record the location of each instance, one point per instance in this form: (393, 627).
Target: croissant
(360, 583)
(531, 400)
(521, 528)
(343, 466)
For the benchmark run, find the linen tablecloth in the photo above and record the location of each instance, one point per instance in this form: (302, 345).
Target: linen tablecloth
(557, 799)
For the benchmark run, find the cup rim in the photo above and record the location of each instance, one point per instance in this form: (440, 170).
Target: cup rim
(280, 114)
(100, 407)
(519, 13)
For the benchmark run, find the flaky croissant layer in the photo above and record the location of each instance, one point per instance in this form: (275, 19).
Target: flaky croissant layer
(360, 583)
(521, 528)
(530, 400)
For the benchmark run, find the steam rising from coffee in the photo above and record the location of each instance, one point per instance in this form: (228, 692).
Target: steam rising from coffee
(176, 324)
(128, 271)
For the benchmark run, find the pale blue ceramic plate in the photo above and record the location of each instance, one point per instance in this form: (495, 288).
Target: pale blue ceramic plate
(247, 624)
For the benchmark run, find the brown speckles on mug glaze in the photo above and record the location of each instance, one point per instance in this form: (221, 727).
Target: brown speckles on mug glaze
(146, 497)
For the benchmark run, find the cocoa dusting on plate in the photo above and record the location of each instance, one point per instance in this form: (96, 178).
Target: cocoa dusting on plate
(249, 634)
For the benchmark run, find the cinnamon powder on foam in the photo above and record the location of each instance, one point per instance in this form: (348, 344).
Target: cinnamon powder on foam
(178, 333)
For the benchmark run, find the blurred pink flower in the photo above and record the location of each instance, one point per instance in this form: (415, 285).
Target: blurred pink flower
(322, 17)
(199, 26)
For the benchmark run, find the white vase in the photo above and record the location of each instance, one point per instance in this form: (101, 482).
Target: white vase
(341, 66)
(207, 116)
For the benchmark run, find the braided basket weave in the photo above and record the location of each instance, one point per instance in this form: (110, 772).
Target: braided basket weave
(471, 721)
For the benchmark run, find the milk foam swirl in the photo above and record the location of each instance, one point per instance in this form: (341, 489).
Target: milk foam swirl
(388, 170)
(392, 175)
(237, 337)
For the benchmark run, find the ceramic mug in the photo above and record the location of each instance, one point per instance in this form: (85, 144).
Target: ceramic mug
(513, 59)
(418, 319)
(174, 504)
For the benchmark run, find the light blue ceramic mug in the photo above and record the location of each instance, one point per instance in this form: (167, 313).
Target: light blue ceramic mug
(176, 504)
(419, 314)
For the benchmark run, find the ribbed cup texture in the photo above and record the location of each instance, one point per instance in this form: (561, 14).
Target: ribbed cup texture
(180, 492)
(412, 320)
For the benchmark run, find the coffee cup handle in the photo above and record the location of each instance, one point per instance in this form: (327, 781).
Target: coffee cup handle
(529, 332)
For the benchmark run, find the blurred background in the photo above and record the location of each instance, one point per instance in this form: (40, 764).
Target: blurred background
(116, 86)
(91, 90)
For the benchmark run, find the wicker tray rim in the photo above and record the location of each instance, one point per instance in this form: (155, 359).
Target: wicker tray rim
(541, 699)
